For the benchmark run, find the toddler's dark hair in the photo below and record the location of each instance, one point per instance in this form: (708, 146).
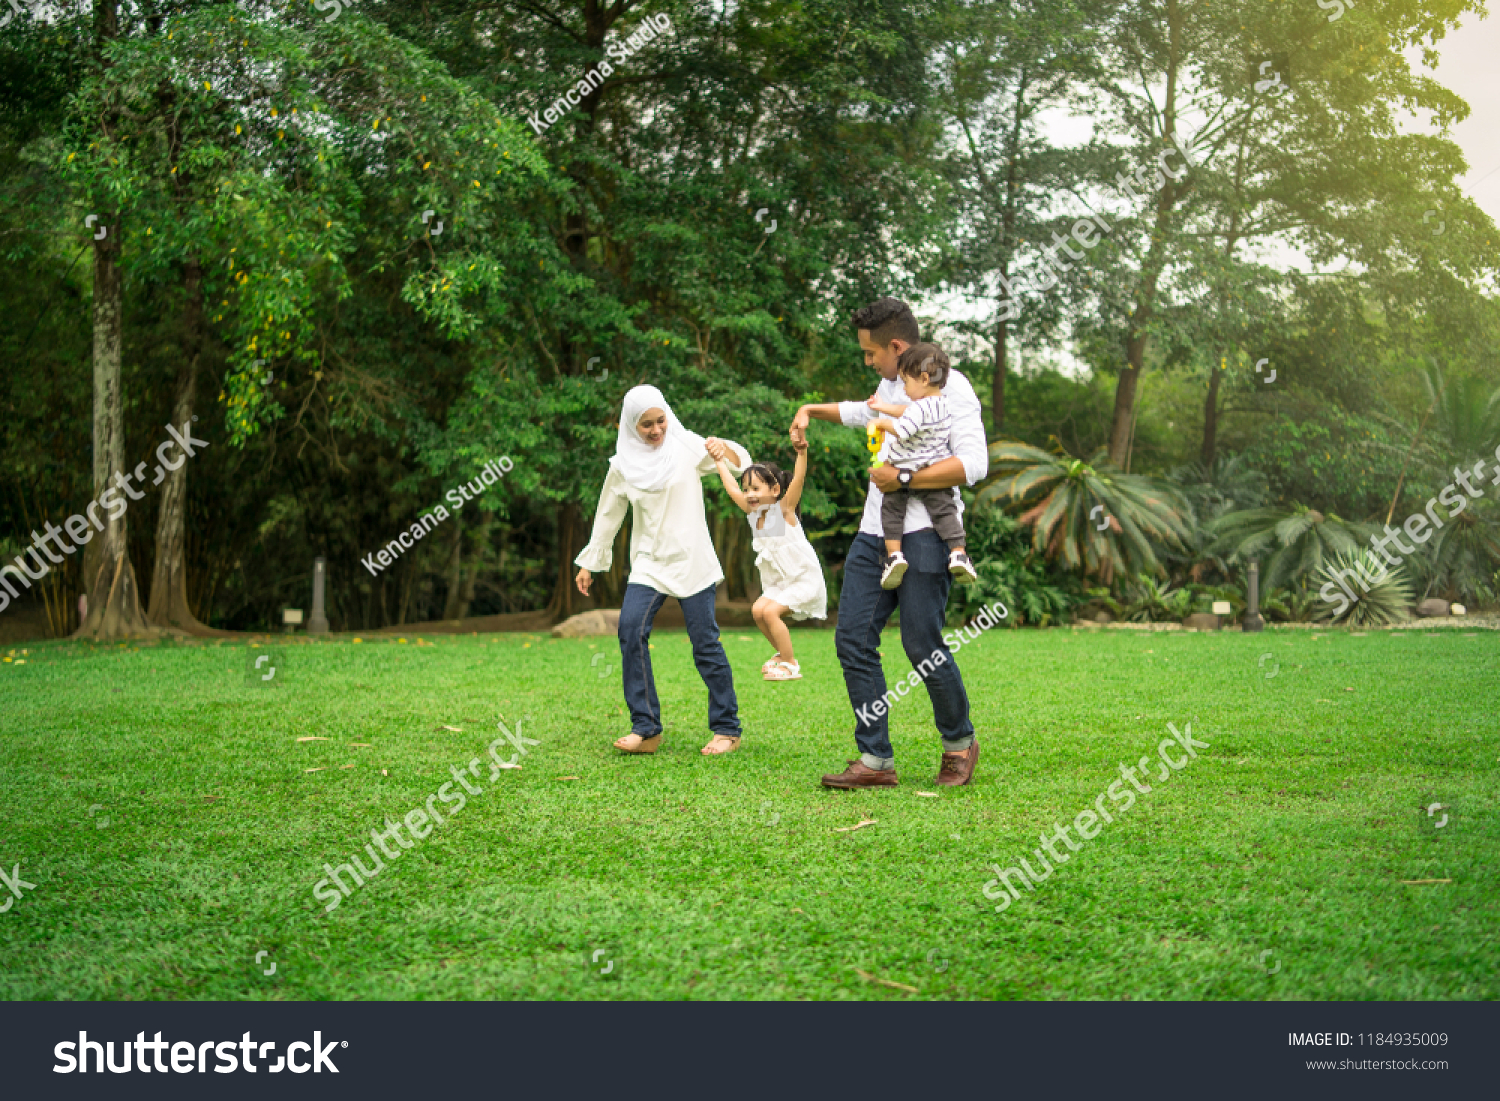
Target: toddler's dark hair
(925, 357)
(771, 473)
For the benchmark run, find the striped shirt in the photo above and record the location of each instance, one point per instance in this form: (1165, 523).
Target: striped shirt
(922, 434)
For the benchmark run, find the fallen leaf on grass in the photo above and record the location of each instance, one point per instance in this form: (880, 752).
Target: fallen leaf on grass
(346, 766)
(314, 738)
(320, 768)
(455, 729)
(927, 794)
(365, 745)
(564, 777)
(886, 982)
(383, 772)
(1418, 882)
(799, 910)
(863, 822)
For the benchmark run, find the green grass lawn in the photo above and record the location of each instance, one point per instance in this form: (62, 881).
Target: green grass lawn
(728, 878)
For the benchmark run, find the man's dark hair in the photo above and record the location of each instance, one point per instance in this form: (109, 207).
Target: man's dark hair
(887, 319)
(927, 358)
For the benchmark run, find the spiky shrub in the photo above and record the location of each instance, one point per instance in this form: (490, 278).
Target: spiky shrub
(1361, 591)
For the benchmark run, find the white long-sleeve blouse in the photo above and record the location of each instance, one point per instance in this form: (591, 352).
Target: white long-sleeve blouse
(671, 550)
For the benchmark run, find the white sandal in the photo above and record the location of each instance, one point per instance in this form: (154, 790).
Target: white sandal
(784, 670)
(770, 662)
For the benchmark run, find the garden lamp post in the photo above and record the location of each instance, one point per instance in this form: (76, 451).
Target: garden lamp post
(1252, 620)
(318, 624)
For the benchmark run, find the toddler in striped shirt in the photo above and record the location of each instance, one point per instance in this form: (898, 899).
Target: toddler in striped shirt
(920, 438)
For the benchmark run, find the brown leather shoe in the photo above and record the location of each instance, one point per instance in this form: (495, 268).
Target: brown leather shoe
(860, 775)
(957, 769)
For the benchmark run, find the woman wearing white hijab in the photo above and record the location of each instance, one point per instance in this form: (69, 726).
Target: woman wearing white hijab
(658, 467)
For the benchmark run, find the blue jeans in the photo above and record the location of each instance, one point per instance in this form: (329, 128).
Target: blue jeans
(864, 608)
(637, 612)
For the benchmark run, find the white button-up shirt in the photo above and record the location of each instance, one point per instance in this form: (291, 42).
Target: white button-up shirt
(965, 438)
(671, 550)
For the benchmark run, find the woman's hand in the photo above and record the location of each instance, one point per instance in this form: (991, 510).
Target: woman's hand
(583, 580)
(799, 446)
(716, 448)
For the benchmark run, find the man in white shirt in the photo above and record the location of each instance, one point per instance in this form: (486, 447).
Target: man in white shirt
(887, 328)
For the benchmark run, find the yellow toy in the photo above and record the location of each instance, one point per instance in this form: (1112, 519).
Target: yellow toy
(874, 440)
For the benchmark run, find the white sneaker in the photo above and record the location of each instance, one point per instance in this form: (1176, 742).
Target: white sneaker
(961, 568)
(895, 570)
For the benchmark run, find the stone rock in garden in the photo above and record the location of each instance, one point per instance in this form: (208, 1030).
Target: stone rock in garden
(1201, 621)
(1432, 606)
(604, 621)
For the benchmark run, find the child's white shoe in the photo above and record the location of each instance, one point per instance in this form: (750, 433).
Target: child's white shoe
(784, 670)
(894, 571)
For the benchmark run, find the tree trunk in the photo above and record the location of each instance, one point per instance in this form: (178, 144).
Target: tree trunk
(1122, 427)
(1211, 418)
(114, 599)
(169, 602)
(566, 599)
(452, 606)
(997, 387)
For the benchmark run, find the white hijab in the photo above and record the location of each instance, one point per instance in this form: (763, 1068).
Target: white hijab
(645, 467)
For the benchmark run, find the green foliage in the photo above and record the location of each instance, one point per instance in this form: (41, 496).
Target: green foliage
(1289, 605)
(1008, 572)
(1339, 461)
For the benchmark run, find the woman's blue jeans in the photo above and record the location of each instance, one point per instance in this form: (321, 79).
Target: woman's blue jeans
(637, 611)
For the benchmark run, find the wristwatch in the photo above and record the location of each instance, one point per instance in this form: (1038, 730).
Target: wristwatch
(904, 478)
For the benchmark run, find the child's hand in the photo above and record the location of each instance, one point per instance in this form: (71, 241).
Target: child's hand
(886, 407)
(799, 446)
(885, 425)
(717, 449)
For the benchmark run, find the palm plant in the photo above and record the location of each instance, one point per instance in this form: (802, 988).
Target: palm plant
(1229, 482)
(1092, 516)
(1463, 554)
(1300, 540)
(1381, 595)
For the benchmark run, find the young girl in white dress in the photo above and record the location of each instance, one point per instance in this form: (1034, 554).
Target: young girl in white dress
(791, 576)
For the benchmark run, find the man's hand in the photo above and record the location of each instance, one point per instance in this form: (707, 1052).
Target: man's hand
(885, 477)
(799, 447)
(582, 580)
(799, 428)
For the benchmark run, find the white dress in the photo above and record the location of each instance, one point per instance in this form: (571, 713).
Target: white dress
(790, 572)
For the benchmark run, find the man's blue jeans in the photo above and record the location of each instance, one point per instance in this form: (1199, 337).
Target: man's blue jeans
(864, 608)
(637, 612)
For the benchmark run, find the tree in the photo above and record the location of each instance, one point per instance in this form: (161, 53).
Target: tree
(1267, 159)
